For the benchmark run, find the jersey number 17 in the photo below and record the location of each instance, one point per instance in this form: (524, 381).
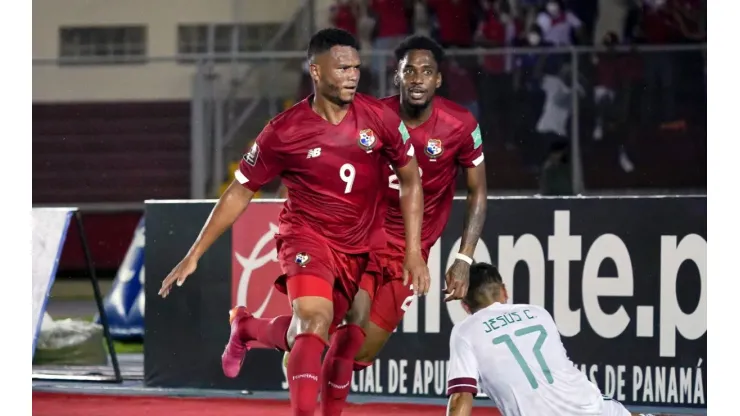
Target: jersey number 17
(537, 350)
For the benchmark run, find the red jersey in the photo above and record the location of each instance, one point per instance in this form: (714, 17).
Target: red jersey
(448, 140)
(335, 174)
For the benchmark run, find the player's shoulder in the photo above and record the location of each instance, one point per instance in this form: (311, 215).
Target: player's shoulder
(392, 101)
(290, 124)
(289, 117)
(368, 102)
(457, 117)
(461, 328)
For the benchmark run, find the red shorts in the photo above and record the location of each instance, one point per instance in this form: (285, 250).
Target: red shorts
(309, 259)
(390, 296)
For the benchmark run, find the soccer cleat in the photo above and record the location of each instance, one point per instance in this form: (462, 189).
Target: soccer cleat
(236, 349)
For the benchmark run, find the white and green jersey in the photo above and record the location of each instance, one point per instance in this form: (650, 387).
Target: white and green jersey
(514, 353)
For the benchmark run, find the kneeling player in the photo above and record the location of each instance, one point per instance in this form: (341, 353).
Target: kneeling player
(515, 352)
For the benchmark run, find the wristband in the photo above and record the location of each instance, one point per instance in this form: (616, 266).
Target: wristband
(464, 258)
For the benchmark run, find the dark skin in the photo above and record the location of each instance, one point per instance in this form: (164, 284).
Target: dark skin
(335, 74)
(418, 79)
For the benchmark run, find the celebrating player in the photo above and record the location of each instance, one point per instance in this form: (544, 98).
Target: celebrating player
(450, 138)
(516, 353)
(331, 151)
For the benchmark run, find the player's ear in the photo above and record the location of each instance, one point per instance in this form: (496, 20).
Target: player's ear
(314, 70)
(504, 294)
(397, 79)
(466, 307)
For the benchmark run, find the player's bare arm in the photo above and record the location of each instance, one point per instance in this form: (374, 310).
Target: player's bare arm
(412, 208)
(458, 275)
(460, 404)
(228, 208)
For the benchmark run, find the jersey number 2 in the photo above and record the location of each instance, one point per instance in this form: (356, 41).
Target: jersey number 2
(537, 350)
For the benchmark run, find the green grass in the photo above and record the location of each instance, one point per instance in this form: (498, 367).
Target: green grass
(120, 346)
(127, 347)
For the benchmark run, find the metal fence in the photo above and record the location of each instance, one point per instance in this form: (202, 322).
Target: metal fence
(635, 122)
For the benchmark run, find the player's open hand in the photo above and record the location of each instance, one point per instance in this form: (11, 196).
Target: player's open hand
(416, 270)
(181, 272)
(457, 280)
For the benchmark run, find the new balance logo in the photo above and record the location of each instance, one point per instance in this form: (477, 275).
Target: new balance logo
(314, 153)
(339, 387)
(306, 376)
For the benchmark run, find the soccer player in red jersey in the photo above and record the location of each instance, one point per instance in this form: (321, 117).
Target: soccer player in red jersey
(447, 139)
(332, 151)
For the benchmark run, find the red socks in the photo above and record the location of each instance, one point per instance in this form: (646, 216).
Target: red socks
(336, 373)
(271, 332)
(304, 366)
(304, 362)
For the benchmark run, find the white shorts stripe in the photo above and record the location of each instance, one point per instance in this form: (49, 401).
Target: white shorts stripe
(240, 177)
(478, 160)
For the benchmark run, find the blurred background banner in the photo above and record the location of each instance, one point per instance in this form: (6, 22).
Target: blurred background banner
(49, 230)
(124, 305)
(625, 280)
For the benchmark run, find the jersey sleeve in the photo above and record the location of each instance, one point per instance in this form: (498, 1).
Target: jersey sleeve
(462, 376)
(262, 163)
(471, 150)
(395, 139)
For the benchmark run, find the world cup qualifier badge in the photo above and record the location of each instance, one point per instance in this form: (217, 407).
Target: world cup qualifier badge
(302, 259)
(367, 140)
(434, 148)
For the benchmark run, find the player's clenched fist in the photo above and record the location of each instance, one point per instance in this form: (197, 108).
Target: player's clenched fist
(457, 280)
(181, 272)
(415, 269)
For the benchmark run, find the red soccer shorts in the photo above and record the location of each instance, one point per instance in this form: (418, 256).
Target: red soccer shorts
(391, 297)
(312, 268)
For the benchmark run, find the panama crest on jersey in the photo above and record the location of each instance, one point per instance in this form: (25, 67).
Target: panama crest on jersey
(367, 140)
(302, 259)
(433, 148)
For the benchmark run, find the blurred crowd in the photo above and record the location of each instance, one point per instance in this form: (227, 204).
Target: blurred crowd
(523, 97)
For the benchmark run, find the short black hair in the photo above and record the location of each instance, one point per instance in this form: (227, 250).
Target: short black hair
(325, 39)
(419, 42)
(483, 277)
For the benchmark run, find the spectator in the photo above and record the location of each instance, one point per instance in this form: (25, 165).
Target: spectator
(343, 14)
(460, 85)
(612, 17)
(617, 78)
(421, 18)
(528, 71)
(552, 126)
(495, 30)
(659, 28)
(455, 22)
(391, 27)
(559, 25)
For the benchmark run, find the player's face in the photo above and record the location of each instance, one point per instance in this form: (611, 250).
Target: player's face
(336, 74)
(418, 77)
